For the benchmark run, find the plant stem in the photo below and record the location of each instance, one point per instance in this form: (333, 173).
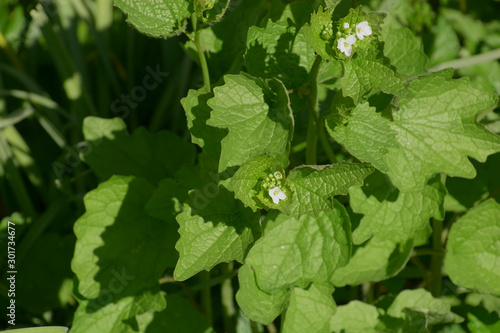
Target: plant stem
(312, 133)
(206, 298)
(205, 276)
(437, 260)
(11, 173)
(468, 61)
(228, 310)
(72, 79)
(368, 292)
(271, 328)
(324, 141)
(201, 53)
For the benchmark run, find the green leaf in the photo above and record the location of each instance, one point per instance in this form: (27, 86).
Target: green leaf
(482, 321)
(166, 202)
(370, 69)
(247, 181)
(297, 252)
(214, 228)
(179, 316)
(445, 45)
(437, 130)
(197, 113)
(362, 131)
(112, 151)
(256, 304)
(156, 18)
(258, 117)
(118, 316)
(432, 132)
(310, 310)
(420, 310)
(314, 186)
(473, 243)
(315, 33)
(279, 50)
(377, 260)
(119, 249)
(487, 76)
(224, 45)
(215, 14)
(367, 68)
(355, 317)
(405, 51)
(391, 214)
(331, 4)
(489, 302)
(298, 12)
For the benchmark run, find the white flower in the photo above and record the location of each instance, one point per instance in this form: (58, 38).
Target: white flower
(277, 194)
(278, 175)
(345, 44)
(363, 29)
(346, 25)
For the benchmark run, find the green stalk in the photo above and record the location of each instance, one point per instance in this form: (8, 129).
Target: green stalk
(324, 141)
(468, 61)
(38, 100)
(227, 294)
(14, 178)
(72, 80)
(206, 298)
(312, 125)
(271, 328)
(437, 260)
(201, 53)
(99, 19)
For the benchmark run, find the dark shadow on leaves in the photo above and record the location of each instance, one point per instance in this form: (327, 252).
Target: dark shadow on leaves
(379, 185)
(218, 206)
(283, 63)
(135, 248)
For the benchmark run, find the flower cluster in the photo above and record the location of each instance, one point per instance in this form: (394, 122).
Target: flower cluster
(273, 183)
(344, 44)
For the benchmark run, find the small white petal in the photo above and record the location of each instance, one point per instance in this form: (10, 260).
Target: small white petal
(277, 194)
(363, 29)
(346, 25)
(351, 39)
(341, 44)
